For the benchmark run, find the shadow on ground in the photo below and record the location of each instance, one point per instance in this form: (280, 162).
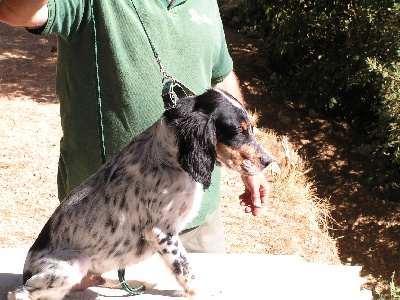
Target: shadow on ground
(27, 65)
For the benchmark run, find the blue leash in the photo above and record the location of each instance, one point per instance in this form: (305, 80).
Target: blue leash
(121, 273)
(172, 91)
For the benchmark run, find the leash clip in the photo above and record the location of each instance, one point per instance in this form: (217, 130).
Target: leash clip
(168, 95)
(173, 90)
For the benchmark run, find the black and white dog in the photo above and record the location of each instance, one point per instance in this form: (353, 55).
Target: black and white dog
(138, 202)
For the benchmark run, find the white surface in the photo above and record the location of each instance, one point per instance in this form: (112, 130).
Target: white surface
(230, 276)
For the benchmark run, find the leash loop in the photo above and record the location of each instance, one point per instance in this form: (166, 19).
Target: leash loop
(132, 291)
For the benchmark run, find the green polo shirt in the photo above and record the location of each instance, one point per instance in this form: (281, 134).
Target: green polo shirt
(190, 41)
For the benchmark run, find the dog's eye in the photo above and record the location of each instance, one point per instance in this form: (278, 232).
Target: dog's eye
(239, 130)
(244, 126)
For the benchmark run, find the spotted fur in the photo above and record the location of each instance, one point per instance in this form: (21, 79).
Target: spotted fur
(138, 202)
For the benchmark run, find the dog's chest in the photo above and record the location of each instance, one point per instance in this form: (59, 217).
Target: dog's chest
(169, 207)
(112, 212)
(164, 195)
(148, 183)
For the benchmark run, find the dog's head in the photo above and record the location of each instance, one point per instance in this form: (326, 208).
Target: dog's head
(215, 127)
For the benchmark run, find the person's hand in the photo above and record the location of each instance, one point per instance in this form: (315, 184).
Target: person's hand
(256, 193)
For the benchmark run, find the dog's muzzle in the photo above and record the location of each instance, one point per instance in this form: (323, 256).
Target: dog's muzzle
(265, 158)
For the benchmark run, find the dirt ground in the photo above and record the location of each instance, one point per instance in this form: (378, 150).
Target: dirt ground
(367, 227)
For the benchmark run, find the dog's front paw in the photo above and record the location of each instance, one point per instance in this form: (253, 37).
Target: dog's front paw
(201, 295)
(19, 294)
(201, 292)
(186, 294)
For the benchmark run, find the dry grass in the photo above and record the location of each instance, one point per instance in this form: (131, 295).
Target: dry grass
(295, 221)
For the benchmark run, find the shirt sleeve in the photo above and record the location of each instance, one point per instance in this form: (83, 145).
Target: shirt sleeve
(66, 18)
(224, 64)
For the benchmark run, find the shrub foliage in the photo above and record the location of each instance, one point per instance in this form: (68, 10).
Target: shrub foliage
(321, 52)
(387, 130)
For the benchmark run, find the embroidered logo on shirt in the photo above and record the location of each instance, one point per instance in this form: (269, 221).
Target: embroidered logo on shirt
(199, 19)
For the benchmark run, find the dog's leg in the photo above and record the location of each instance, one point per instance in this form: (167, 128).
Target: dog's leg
(174, 255)
(53, 276)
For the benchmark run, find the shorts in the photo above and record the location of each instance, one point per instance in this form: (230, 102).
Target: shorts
(206, 238)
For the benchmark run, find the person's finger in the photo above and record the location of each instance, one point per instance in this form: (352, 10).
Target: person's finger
(254, 188)
(257, 210)
(245, 195)
(252, 184)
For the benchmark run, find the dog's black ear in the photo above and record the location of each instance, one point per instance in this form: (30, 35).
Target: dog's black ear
(197, 146)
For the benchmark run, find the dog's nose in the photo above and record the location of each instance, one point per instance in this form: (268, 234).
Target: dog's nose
(266, 160)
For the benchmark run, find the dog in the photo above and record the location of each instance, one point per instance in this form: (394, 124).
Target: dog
(139, 201)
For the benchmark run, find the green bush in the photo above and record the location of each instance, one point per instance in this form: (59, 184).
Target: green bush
(394, 291)
(316, 51)
(321, 51)
(387, 130)
(389, 112)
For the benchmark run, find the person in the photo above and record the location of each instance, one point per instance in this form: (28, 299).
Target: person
(106, 64)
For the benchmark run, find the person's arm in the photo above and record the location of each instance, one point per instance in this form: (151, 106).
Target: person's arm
(231, 85)
(26, 13)
(256, 187)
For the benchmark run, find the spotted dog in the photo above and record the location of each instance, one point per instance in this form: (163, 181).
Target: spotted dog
(138, 202)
